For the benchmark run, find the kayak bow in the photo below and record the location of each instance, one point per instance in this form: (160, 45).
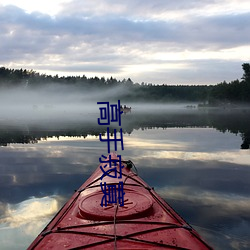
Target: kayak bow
(145, 221)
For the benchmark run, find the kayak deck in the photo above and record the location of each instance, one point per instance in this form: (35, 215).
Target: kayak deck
(145, 221)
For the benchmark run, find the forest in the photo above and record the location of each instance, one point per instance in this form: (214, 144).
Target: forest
(224, 93)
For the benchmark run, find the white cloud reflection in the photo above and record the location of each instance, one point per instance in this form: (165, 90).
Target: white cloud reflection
(188, 144)
(29, 212)
(22, 222)
(229, 203)
(235, 156)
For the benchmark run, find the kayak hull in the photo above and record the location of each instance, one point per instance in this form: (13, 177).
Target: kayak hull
(143, 221)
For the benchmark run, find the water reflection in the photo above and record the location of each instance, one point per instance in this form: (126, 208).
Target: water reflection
(233, 121)
(195, 166)
(33, 209)
(19, 222)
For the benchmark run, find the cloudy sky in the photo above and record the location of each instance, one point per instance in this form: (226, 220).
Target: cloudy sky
(156, 41)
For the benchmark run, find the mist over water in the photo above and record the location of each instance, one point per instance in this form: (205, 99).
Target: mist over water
(61, 102)
(55, 102)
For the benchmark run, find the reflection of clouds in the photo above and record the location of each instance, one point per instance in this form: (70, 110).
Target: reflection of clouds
(29, 212)
(222, 219)
(206, 175)
(226, 240)
(236, 156)
(203, 144)
(228, 203)
(69, 138)
(147, 144)
(2, 209)
(22, 222)
(59, 157)
(186, 139)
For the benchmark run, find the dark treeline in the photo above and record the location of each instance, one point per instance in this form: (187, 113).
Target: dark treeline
(234, 92)
(237, 91)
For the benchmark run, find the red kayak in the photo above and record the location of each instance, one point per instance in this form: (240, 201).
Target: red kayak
(133, 216)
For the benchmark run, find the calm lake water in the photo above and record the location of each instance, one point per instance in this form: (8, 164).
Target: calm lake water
(197, 160)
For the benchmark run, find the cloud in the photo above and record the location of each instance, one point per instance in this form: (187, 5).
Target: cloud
(95, 38)
(147, 9)
(115, 30)
(65, 32)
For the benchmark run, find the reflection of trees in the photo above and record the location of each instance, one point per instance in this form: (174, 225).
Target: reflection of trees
(246, 141)
(237, 122)
(16, 137)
